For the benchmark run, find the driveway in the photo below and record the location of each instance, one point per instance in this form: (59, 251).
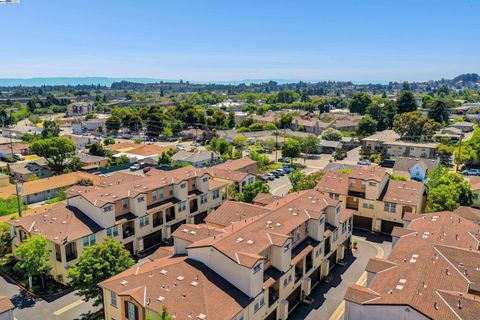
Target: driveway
(328, 297)
(280, 186)
(67, 307)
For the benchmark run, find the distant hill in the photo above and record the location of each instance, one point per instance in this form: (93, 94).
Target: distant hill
(70, 81)
(467, 78)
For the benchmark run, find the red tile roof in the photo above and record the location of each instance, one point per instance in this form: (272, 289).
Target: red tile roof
(231, 211)
(5, 304)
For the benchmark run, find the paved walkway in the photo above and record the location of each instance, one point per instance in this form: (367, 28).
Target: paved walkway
(329, 302)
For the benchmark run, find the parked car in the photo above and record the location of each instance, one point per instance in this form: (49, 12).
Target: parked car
(364, 162)
(135, 166)
(180, 146)
(471, 172)
(271, 176)
(287, 169)
(280, 171)
(18, 157)
(146, 169)
(266, 177)
(276, 174)
(8, 158)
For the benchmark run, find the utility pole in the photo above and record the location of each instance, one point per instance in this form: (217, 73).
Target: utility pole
(459, 153)
(18, 186)
(276, 146)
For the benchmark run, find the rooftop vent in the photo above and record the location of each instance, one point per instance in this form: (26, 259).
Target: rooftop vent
(239, 239)
(193, 232)
(250, 241)
(278, 224)
(160, 298)
(194, 283)
(123, 282)
(201, 316)
(269, 222)
(399, 287)
(164, 272)
(402, 281)
(180, 278)
(185, 230)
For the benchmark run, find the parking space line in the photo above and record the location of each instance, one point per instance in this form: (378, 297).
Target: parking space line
(68, 307)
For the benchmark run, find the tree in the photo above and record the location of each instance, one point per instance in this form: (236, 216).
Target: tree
(55, 150)
(382, 110)
(231, 119)
(359, 103)
(33, 258)
(438, 110)
(122, 159)
(220, 146)
(291, 148)
(285, 121)
(446, 190)
(251, 190)
(301, 181)
(240, 141)
(113, 123)
(73, 164)
(164, 315)
(96, 264)
(366, 126)
(5, 240)
(332, 134)
(108, 141)
(97, 149)
(406, 102)
(310, 144)
(164, 158)
(415, 126)
(167, 132)
(51, 129)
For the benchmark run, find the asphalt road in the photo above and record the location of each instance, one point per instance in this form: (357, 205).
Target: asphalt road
(67, 307)
(280, 186)
(328, 297)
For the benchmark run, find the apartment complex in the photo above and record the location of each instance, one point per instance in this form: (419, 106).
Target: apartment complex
(431, 273)
(140, 212)
(255, 267)
(379, 203)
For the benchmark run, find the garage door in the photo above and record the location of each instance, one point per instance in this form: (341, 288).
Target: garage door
(387, 226)
(315, 276)
(294, 299)
(152, 239)
(198, 218)
(363, 223)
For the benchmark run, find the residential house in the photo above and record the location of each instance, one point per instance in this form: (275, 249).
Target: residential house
(48, 188)
(327, 146)
(475, 186)
(379, 203)
(462, 125)
(312, 126)
(18, 131)
(414, 168)
(140, 213)
(244, 164)
(387, 143)
(197, 159)
(238, 179)
(431, 273)
(28, 170)
(233, 211)
(92, 162)
(80, 108)
(89, 126)
(138, 152)
(192, 133)
(6, 308)
(453, 134)
(269, 117)
(258, 268)
(17, 148)
(81, 142)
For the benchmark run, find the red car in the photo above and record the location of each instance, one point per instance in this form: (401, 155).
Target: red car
(146, 169)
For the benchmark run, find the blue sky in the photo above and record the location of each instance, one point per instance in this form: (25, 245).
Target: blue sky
(233, 40)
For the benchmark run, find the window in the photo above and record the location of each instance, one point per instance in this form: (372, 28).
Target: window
(266, 254)
(23, 235)
(367, 205)
(298, 233)
(334, 196)
(160, 192)
(113, 299)
(337, 209)
(182, 206)
(240, 316)
(154, 195)
(259, 304)
(335, 235)
(144, 221)
(107, 208)
(287, 280)
(183, 186)
(194, 183)
(306, 227)
(322, 220)
(372, 184)
(216, 194)
(344, 227)
(352, 182)
(170, 190)
(363, 184)
(205, 180)
(475, 196)
(286, 248)
(251, 180)
(89, 240)
(124, 204)
(58, 253)
(112, 231)
(257, 268)
(141, 199)
(131, 311)
(203, 199)
(319, 250)
(390, 207)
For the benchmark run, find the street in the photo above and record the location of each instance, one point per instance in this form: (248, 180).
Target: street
(67, 307)
(328, 298)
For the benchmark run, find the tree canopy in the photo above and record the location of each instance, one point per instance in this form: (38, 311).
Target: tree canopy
(33, 258)
(332, 134)
(56, 150)
(291, 148)
(415, 126)
(406, 102)
(250, 190)
(359, 103)
(96, 264)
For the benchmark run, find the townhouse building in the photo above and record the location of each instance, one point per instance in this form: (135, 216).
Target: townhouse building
(432, 272)
(258, 267)
(138, 212)
(379, 203)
